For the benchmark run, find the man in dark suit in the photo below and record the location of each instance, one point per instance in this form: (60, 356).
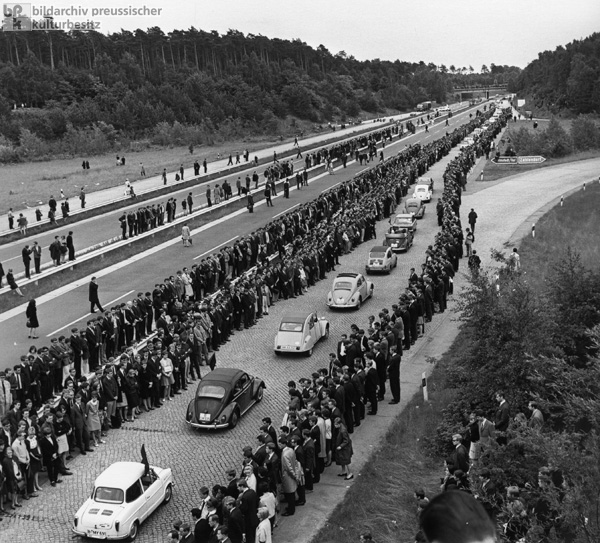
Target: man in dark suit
(371, 385)
(49, 448)
(26, 254)
(381, 365)
(460, 456)
(235, 521)
(248, 505)
(93, 296)
(394, 374)
(78, 419)
(501, 417)
(358, 380)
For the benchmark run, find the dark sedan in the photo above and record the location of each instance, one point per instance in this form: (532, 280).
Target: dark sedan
(222, 397)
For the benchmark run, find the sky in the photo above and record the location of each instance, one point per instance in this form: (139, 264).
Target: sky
(451, 32)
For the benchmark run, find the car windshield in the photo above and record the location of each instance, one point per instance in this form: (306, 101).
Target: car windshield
(105, 494)
(421, 189)
(397, 230)
(342, 285)
(211, 391)
(290, 327)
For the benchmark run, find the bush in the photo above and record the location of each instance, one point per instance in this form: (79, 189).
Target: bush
(585, 133)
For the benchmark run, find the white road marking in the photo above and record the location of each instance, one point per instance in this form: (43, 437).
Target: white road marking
(215, 247)
(88, 314)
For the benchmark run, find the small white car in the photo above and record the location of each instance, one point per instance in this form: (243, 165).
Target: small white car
(123, 497)
(349, 290)
(423, 193)
(300, 332)
(381, 259)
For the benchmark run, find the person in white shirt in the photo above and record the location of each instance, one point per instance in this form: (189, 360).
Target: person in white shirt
(263, 530)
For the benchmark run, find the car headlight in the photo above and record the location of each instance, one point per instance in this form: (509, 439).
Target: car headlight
(223, 419)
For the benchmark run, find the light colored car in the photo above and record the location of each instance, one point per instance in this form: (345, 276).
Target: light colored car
(404, 220)
(300, 332)
(381, 259)
(423, 193)
(124, 496)
(415, 206)
(349, 290)
(425, 181)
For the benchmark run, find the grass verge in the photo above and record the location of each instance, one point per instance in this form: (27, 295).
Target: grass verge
(381, 499)
(576, 225)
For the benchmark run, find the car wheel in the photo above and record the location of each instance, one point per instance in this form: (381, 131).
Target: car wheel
(326, 335)
(358, 304)
(309, 352)
(234, 419)
(259, 394)
(168, 494)
(277, 353)
(133, 531)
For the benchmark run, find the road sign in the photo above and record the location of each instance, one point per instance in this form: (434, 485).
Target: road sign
(519, 160)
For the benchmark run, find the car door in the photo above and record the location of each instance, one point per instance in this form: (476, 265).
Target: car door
(136, 506)
(244, 392)
(311, 331)
(361, 287)
(153, 492)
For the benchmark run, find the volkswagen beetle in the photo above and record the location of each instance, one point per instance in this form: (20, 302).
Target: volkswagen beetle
(415, 206)
(399, 238)
(349, 290)
(381, 259)
(222, 397)
(300, 332)
(404, 220)
(124, 495)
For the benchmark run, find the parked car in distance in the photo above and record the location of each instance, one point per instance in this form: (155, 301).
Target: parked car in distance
(124, 496)
(423, 193)
(399, 238)
(381, 259)
(222, 397)
(349, 290)
(414, 206)
(300, 332)
(404, 220)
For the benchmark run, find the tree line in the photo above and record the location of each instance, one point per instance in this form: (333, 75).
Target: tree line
(128, 83)
(566, 78)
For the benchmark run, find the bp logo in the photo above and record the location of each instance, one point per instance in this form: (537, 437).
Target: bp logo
(16, 17)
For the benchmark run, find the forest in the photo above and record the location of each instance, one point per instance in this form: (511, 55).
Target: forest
(102, 88)
(567, 78)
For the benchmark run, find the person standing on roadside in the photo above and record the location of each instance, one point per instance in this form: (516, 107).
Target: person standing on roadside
(185, 235)
(190, 202)
(250, 202)
(10, 279)
(472, 220)
(93, 296)
(36, 250)
(82, 197)
(26, 255)
(208, 196)
(32, 319)
(70, 246)
(11, 219)
(22, 224)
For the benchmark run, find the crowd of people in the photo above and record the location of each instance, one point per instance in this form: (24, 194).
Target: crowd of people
(195, 311)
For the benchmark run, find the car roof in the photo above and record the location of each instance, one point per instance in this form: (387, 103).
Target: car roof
(379, 249)
(415, 201)
(295, 317)
(347, 275)
(403, 217)
(121, 475)
(422, 186)
(222, 375)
